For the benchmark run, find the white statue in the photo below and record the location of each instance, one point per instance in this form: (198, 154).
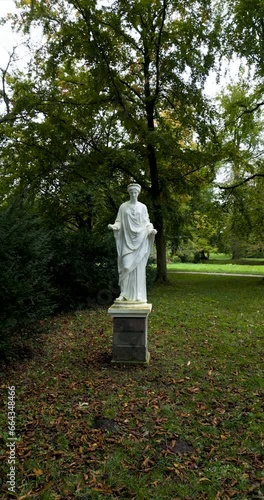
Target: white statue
(134, 236)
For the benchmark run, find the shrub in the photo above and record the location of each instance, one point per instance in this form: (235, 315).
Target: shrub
(84, 268)
(26, 293)
(84, 263)
(43, 271)
(186, 251)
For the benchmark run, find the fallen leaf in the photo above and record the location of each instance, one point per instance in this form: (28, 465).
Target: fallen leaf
(38, 472)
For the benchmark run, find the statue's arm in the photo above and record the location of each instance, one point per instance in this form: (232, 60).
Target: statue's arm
(114, 227)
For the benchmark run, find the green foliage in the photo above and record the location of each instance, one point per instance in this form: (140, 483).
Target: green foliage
(242, 192)
(198, 227)
(245, 31)
(84, 268)
(186, 251)
(114, 94)
(46, 270)
(26, 292)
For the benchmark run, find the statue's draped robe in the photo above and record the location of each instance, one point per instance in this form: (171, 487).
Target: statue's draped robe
(134, 243)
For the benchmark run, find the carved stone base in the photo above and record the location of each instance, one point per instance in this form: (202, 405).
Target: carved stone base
(130, 332)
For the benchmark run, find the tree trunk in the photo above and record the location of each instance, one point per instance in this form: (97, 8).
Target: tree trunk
(161, 276)
(158, 221)
(150, 102)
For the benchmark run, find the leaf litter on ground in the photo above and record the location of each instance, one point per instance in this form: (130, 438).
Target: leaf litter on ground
(190, 425)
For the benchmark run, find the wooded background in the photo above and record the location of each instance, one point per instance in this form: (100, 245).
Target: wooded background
(115, 94)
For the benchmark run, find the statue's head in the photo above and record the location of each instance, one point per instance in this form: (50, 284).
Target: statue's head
(134, 187)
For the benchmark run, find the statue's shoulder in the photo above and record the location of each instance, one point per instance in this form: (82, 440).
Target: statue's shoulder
(124, 205)
(142, 206)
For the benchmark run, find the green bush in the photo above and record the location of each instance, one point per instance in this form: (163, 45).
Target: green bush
(186, 251)
(174, 259)
(84, 268)
(45, 271)
(48, 270)
(26, 293)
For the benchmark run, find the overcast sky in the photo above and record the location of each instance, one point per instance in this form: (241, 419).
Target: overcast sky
(7, 38)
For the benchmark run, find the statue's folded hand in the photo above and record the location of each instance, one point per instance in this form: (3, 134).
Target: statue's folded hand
(113, 227)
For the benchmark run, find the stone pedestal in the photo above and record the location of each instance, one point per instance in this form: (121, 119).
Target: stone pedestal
(130, 332)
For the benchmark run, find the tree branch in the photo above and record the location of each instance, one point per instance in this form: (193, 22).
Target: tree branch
(121, 167)
(158, 47)
(130, 88)
(240, 183)
(246, 111)
(126, 37)
(8, 115)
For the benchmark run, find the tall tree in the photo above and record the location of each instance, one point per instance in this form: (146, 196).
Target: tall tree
(244, 36)
(242, 136)
(137, 64)
(245, 31)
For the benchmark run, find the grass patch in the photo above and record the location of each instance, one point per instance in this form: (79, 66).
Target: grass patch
(245, 266)
(224, 257)
(190, 425)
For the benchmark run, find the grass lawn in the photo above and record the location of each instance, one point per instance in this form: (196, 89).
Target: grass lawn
(188, 426)
(221, 263)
